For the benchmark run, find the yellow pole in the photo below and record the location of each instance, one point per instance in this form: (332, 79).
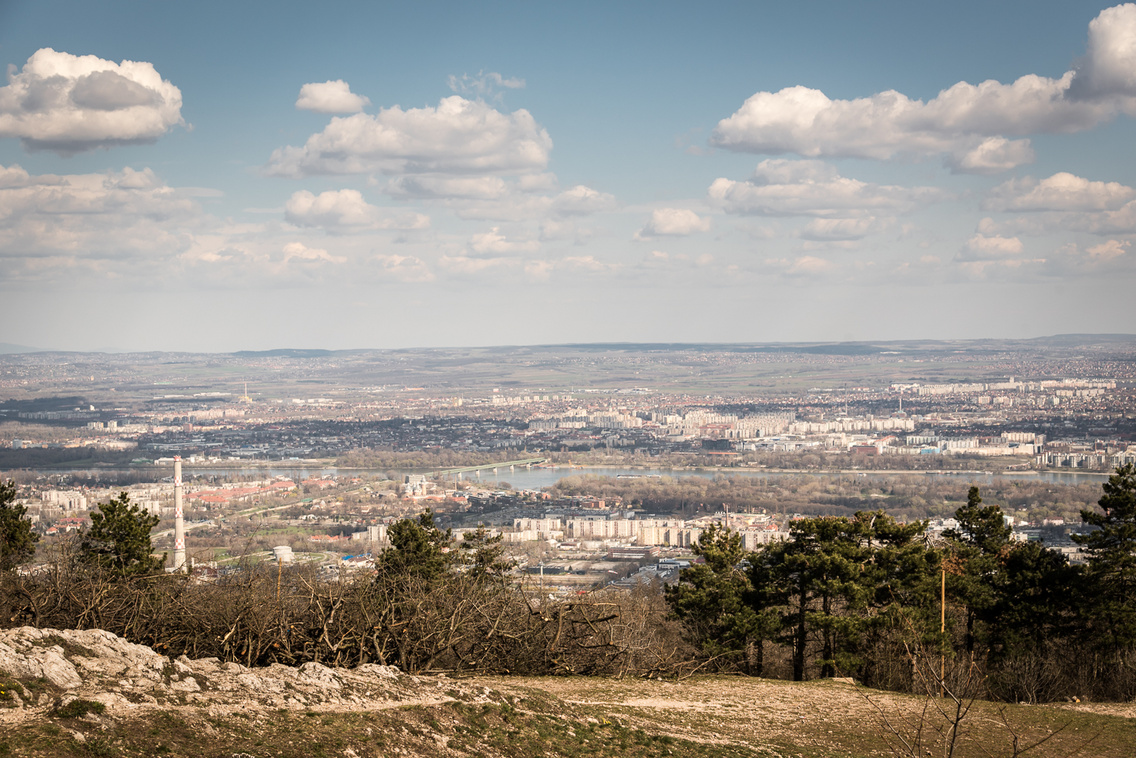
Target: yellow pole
(942, 631)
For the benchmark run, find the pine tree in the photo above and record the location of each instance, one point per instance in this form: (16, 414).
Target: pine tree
(902, 578)
(815, 579)
(712, 598)
(1031, 598)
(119, 539)
(980, 542)
(17, 540)
(983, 527)
(1111, 554)
(419, 552)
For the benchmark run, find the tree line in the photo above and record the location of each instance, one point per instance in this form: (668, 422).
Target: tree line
(868, 597)
(908, 497)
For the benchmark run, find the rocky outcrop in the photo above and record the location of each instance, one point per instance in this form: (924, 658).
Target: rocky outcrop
(97, 665)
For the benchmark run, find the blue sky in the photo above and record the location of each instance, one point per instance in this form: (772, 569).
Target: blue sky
(214, 176)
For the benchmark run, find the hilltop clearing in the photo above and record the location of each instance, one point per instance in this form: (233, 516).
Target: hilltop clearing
(90, 693)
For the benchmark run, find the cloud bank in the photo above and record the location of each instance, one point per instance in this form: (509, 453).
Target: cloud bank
(1061, 192)
(458, 136)
(969, 124)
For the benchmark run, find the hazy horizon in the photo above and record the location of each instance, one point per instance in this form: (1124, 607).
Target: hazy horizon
(7, 348)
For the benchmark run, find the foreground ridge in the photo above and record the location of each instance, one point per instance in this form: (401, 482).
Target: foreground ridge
(88, 692)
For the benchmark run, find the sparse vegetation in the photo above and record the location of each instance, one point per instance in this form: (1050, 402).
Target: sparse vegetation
(579, 717)
(77, 708)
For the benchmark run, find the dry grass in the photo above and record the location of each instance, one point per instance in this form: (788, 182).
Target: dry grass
(571, 716)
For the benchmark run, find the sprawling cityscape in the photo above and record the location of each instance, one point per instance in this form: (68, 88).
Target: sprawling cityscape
(591, 475)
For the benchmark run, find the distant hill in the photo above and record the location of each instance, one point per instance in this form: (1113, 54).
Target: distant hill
(284, 353)
(868, 347)
(7, 348)
(1071, 340)
(851, 348)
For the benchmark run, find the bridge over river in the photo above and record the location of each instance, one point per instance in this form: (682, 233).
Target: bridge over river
(494, 467)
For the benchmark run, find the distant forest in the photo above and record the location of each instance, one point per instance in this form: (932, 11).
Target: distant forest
(905, 497)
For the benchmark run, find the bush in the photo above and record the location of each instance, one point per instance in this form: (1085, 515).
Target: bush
(78, 708)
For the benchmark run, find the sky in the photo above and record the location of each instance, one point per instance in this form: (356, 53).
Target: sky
(214, 176)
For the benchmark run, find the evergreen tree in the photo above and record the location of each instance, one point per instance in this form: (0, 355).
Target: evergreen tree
(1030, 610)
(419, 552)
(713, 599)
(979, 545)
(902, 578)
(903, 572)
(119, 539)
(815, 579)
(481, 555)
(432, 596)
(1111, 564)
(847, 581)
(17, 540)
(981, 527)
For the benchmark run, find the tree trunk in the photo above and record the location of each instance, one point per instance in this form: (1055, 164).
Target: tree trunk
(827, 669)
(800, 638)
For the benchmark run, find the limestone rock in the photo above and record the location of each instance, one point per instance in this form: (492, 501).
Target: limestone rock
(96, 665)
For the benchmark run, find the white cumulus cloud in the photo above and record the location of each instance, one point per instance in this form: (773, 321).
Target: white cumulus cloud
(959, 123)
(298, 251)
(484, 84)
(112, 224)
(781, 187)
(330, 97)
(581, 201)
(983, 248)
(496, 243)
(1061, 192)
(112, 211)
(992, 155)
(345, 210)
(1108, 251)
(458, 136)
(1109, 66)
(673, 222)
(70, 103)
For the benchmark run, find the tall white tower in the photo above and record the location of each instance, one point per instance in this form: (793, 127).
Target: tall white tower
(179, 519)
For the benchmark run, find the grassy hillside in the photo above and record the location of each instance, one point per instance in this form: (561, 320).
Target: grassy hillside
(489, 717)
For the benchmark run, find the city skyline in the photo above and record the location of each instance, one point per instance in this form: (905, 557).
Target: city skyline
(377, 176)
